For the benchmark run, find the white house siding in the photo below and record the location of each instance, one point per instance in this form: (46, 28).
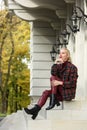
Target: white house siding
(42, 38)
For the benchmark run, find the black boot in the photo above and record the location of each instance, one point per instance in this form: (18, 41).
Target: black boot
(49, 101)
(53, 102)
(34, 111)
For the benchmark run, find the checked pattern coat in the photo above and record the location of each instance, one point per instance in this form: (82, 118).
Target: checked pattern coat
(68, 73)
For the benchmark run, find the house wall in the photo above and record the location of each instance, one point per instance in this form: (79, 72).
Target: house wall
(42, 38)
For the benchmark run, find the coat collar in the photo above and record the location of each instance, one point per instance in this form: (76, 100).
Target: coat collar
(64, 65)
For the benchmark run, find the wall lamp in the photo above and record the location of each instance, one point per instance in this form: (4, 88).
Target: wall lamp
(65, 36)
(76, 20)
(53, 53)
(84, 16)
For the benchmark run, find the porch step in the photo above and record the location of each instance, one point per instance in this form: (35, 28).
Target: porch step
(67, 115)
(73, 110)
(75, 105)
(73, 116)
(22, 121)
(56, 125)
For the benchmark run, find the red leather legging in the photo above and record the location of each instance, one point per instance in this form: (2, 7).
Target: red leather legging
(54, 90)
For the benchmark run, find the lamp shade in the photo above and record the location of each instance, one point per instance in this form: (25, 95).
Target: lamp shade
(65, 35)
(53, 54)
(75, 21)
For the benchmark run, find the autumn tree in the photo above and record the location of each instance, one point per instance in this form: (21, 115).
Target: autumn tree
(14, 72)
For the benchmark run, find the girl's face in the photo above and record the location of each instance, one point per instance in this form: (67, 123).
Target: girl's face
(64, 55)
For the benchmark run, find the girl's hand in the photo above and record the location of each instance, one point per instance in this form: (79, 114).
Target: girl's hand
(56, 83)
(59, 61)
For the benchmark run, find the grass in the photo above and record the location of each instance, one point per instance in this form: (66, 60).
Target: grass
(2, 115)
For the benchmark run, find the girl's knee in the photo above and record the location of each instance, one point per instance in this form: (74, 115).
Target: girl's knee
(54, 78)
(46, 92)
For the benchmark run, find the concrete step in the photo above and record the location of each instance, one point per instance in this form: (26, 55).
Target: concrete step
(75, 105)
(57, 125)
(67, 115)
(22, 121)
(73, 110)
(73, 116)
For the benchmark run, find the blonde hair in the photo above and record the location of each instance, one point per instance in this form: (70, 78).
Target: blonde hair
(68, 52)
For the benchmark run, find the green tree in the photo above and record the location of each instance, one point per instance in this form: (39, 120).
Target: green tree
(14, 73)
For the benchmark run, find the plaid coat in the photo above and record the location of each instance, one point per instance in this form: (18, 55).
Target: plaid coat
(68, 73)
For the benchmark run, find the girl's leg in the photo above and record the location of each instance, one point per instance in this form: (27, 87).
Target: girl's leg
(43, 98)
(34, 111)
(55, 89)
(56, 93)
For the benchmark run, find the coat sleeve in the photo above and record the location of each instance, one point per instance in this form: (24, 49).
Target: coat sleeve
(72, 79)
(55, 69)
